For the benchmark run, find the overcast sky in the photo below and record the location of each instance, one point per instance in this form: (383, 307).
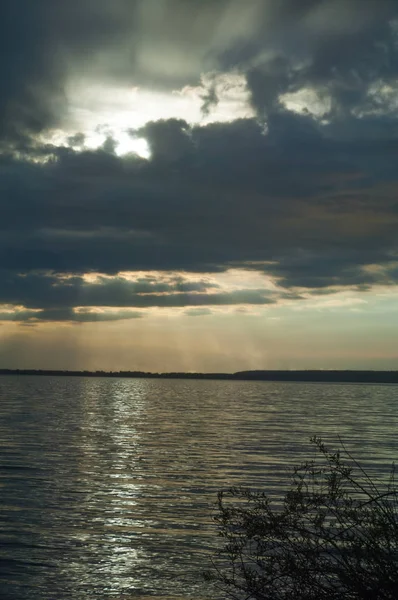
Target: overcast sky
(204, 186)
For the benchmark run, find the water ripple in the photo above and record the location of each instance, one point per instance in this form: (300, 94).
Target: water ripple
(107, 486)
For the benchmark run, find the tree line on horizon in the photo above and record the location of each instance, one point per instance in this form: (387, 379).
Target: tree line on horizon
(305, 375)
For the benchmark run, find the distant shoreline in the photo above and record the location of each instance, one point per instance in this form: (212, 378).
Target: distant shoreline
(332, 376)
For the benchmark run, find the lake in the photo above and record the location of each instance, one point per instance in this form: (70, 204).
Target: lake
(107, 486)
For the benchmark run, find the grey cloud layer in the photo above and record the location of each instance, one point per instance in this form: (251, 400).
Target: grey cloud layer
(311, 203)
(46, 297)
(162, 44)
(307, 208)
(66, 314)
(339, 47)
(225, 195)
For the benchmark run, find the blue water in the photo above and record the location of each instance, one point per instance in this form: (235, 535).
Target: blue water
(107, 486)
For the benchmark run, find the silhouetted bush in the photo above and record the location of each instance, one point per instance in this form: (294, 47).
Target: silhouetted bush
(334, 536)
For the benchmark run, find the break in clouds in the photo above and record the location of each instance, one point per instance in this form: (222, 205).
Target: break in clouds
(287, 170)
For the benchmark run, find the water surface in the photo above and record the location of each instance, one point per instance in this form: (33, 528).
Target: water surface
(107, 486)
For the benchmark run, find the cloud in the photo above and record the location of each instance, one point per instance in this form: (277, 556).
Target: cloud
(50, 297)
(157, 44)
(67, 314)
(51, 291)
(210, 99)
(305, 194)
(169, 141)
(338, 47)
(226, 195)
(198, 312)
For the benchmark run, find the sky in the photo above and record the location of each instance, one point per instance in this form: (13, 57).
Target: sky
(199, 186)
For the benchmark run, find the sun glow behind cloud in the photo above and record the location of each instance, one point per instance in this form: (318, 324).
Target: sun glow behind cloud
(102, 111)
(126, 144)
(123, 142)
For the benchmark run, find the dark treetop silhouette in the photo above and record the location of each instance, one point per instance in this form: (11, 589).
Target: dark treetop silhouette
(307, 375)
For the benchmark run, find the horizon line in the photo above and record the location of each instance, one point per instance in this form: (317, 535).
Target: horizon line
(297, 375)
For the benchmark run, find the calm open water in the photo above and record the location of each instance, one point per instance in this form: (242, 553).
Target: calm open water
(107, 486)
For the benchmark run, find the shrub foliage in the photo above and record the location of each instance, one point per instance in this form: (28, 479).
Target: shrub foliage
(334, 536)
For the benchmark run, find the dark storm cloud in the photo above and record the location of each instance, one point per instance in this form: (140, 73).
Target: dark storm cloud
(41, 290)
(47, 297)
(40, 42)
(29, 79)
(36, 41)
(161, 44)
(338, 47)
(335, 268)
(210, 99)
(318, 207)
(310, 202)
